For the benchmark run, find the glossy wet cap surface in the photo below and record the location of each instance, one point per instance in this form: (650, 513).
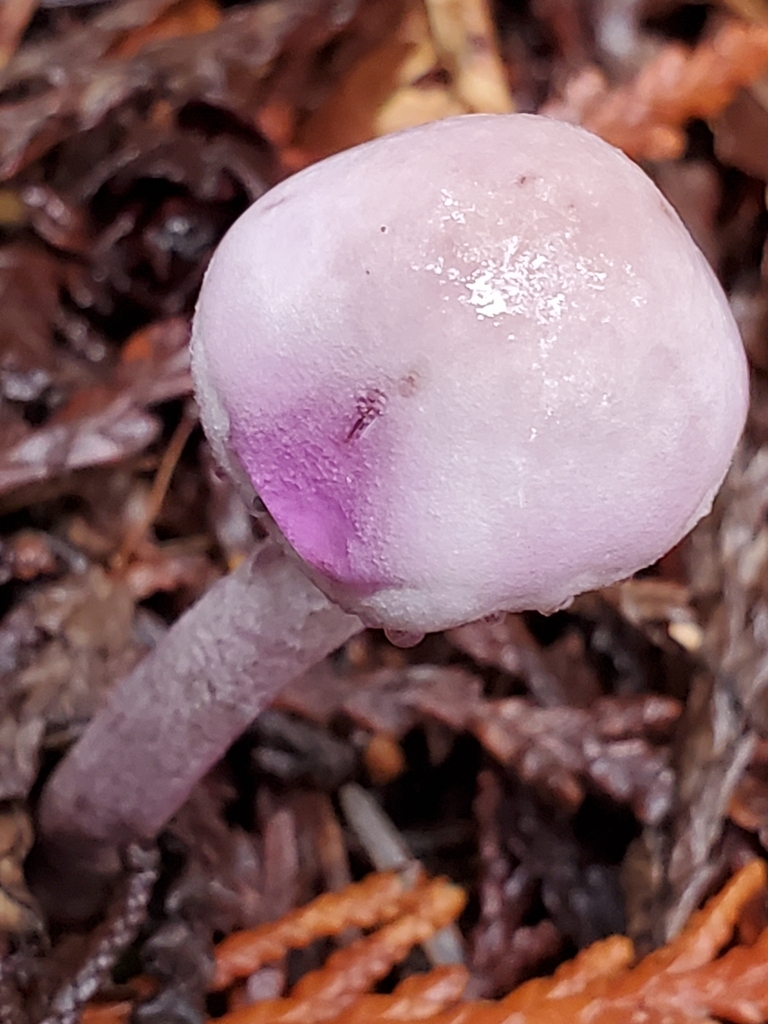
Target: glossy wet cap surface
(478, 365)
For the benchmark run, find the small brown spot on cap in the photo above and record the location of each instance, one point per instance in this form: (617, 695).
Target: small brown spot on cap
(408, 385)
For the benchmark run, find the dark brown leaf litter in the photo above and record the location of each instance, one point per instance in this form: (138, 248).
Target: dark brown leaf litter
(576, 773)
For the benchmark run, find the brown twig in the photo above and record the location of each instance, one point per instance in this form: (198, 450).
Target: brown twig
(160, 485)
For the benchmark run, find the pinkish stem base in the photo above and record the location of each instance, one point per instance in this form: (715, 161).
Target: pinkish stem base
(177, 713)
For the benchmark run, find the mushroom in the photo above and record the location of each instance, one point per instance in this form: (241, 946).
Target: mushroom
(473, 367)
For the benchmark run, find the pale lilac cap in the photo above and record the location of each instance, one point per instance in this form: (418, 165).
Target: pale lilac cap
(475, 366)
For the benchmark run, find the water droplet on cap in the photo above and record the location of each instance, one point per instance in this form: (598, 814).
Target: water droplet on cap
(494, 618)
(403, 638)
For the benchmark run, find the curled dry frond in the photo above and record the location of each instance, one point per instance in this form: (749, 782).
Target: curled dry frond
(685, 982)
(419, 997)
(376, 899)
(646, 117)
(351, 971)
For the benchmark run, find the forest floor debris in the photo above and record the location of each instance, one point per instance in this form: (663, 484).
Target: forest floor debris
(594, 773)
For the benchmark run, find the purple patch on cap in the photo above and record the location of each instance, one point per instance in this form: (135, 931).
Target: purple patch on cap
(317, 481)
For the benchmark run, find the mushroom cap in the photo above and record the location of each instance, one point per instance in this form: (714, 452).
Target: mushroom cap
(476, 366)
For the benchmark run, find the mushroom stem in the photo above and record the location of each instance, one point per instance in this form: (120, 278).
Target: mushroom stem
(175, 715)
